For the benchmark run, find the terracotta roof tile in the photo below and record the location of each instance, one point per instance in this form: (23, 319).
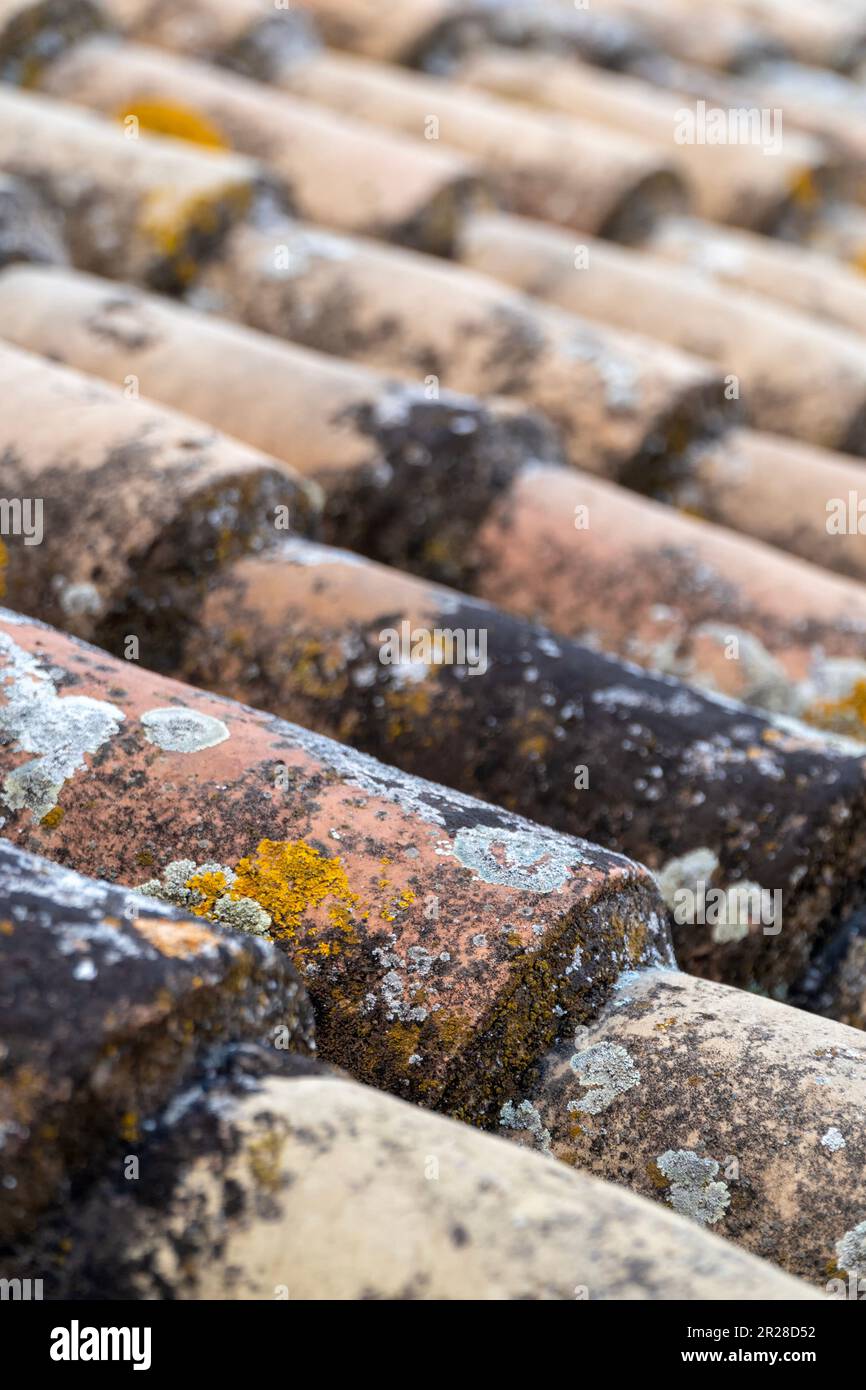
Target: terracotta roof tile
(341, 172)
(111, 1004)
(430, 32)
(617, 398)
(340, 1192)
(139, 499)
(143, 209)
(793, 374)
(448, 688)
(816, 284)
(739, 184)
(426, 925)
(572, 170)
(775, 1095)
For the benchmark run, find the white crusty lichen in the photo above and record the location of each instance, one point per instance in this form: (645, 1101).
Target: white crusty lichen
(59, 729)
(833, 1139)
(526, 1117)
(608, 1070)
(851, 1251)
(244, 914)
(684, 873)
(527, 859)
(181, 730)
(765, 683)
(686, 884)
(693, 1190)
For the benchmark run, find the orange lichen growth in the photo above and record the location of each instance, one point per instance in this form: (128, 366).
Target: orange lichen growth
(391, 911)
(182, 122)
(52, 817)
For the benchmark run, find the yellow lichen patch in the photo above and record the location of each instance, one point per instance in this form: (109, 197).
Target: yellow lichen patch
(534, 747)
(842, 716)
(129, 1127)
(210, 886)
(454, 1028)
(636, 937)
(656, 1176)
(264, 1156)
(170, 217)
(167, 118)
(6, 928)
(665, 1024)
(179, 939)
(52, 818)
(289, 879)
(400, 903)
(403, 1041)
(804, 189)
(408, 708)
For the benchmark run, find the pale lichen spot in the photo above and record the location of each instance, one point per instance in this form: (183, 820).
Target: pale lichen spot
(833, 1140)
(525, 1117)
(699, 865)
(59, 729)
(851, 1251)
(607, 1070)
(522, 859)
(744, 904)
(694, 1191)
(180, 730)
